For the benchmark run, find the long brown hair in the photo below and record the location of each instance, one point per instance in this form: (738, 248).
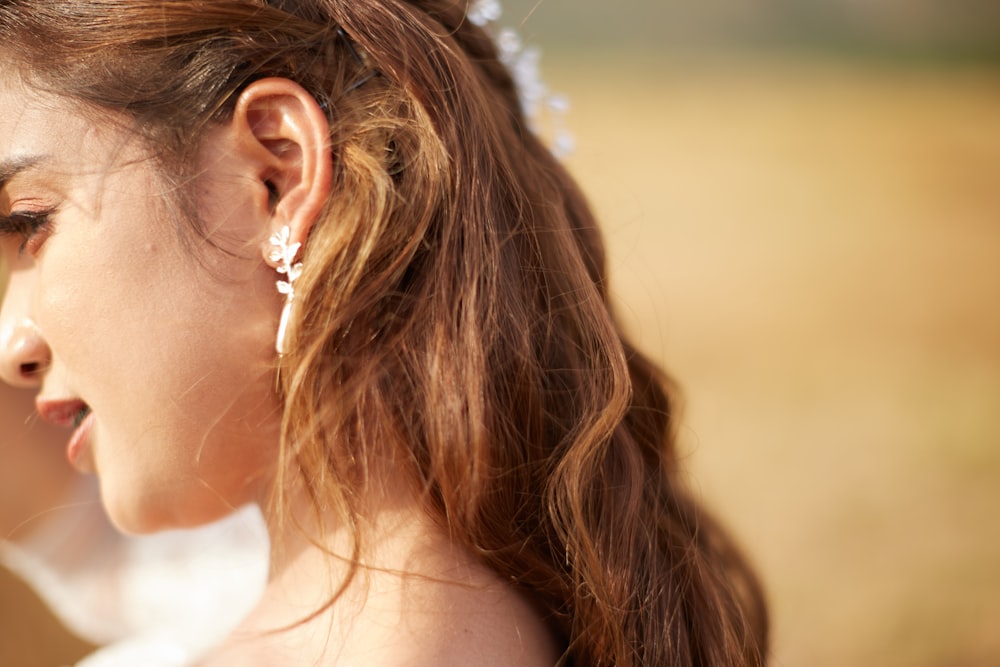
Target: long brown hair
(454, 306)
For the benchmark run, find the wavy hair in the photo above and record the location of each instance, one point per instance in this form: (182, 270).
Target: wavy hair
(453, 310)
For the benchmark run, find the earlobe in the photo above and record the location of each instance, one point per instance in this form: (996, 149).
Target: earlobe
(291, 139)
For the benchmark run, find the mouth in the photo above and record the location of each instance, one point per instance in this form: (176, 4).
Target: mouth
(68, 413)
(80, 415)
(76, 415)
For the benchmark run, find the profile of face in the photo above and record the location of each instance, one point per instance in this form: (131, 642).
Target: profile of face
(153, 344)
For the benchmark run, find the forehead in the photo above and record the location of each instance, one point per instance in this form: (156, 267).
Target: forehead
(37, 127)
(30, 120)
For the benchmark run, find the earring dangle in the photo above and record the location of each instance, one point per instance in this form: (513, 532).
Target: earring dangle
(283, 253)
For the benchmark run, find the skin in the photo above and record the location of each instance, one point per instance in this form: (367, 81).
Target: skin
(174, 353)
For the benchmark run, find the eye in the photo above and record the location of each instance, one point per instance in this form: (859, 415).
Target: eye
(32, 226)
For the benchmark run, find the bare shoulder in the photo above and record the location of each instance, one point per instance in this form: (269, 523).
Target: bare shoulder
(440, 625)
(452, 625)
(499, 637)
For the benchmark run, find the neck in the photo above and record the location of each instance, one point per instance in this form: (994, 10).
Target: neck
(412, 596)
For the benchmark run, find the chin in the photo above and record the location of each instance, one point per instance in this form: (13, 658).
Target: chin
(138, 511)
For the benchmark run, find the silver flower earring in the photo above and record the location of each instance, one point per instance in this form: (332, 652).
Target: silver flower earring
(283, 253)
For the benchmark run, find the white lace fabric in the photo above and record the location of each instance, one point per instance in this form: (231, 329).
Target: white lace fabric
(153, 601)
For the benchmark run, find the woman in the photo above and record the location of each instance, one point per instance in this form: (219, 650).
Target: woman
(460, 459)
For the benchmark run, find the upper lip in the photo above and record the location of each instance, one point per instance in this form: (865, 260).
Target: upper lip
(61, 412)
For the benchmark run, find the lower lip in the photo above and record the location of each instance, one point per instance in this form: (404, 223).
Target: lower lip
(79, 443)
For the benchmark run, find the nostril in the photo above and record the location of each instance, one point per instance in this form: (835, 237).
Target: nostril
(30, 370)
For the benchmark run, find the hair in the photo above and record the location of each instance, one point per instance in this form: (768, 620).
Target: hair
(453, 309)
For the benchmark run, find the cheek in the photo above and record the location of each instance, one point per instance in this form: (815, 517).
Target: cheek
(100, 304)
(175, 350)
(175, 354)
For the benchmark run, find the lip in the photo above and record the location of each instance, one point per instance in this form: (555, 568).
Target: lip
(74, 414)
(59, 412)
(79, 444)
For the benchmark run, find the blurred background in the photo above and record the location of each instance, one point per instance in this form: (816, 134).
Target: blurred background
(802, 203)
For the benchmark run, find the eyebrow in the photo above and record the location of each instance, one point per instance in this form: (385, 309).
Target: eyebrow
(14, 166)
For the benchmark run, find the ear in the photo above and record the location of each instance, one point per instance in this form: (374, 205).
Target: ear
(287, 138)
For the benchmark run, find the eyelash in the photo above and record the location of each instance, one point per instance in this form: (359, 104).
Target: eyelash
(25, 224)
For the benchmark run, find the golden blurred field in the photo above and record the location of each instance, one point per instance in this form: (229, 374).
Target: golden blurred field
(813, 250)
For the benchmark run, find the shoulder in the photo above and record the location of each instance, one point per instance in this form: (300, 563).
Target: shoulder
(449, 625)
(453, 643)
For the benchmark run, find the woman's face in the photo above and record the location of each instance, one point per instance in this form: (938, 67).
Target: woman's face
(161, 350)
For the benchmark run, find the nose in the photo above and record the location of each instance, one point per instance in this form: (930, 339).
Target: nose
(24, 353)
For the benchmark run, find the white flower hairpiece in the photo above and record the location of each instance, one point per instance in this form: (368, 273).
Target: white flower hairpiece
(538, 103)
(484, 12)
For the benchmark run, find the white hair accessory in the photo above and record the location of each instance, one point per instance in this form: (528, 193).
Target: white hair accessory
(284, 254)
(538, 103)
(483, 12)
